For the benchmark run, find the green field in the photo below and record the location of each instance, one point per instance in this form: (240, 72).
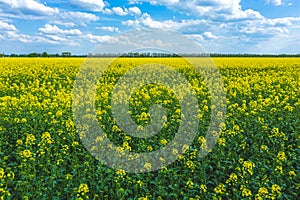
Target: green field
(256, 156)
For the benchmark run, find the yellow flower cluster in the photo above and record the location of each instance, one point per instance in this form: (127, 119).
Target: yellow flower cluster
(220, 189)
(83, 189)
(281, 156)
(248, 166)
(232, 179)
(245, 192)
(26, 154)
(30, 139)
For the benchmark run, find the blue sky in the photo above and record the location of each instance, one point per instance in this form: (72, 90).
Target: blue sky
(219, 26)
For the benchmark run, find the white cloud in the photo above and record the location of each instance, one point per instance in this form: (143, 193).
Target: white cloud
(109, 28)
(53, 29)
(166, 2)
(228, 9)
(266, 31)
(40, 39)
(210, 35)
(76, 18)
(275, 2)
(27, 7)
(66, 24)
(120, 11)
(57, 38)
(123, 11)
(134, 10)
(6, 26)
(18, 37)
(147, 21)
(96, 38)
(93, 5)
(277, 27)
(134, 2)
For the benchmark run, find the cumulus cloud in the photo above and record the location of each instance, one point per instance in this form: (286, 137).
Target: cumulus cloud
(92, 5)
(275, 2)
(7, 27)
(53, 29)
(75, 18)
(123, 11)
(96, 38)
(18, 37)
(209, 35)
(147, 21)
(134, 10)
(56, 38)
(109, 28)
(228, 9)
(27, 7)
(119, 11)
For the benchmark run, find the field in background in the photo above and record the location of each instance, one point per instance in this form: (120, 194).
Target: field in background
(257, 155)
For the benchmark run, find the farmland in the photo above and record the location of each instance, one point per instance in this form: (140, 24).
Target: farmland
(256, 155)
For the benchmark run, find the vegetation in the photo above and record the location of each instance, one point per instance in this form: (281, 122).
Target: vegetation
(256, 157)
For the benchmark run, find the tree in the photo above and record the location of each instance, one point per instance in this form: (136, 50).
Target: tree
(65, 54)
(33, 55)
(45, 54)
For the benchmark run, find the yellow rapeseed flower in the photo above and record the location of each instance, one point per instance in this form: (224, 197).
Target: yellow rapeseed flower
(189, 184)
(245, 192)
(26, 154)
(30, 139)
(1, 173)
(163, 142)
(203, 188)
(292, 173)
(263, 191)
(83, 188)
(222, 141)
(147, 166)
(248, 166)
(276, 189)
(220, 189)
(232, 178)
(281, 156)
(19, 142)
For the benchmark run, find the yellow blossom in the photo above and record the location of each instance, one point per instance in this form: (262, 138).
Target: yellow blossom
(26, 154)
(140, 183)
(203, 188)
(220, 189)
(83, 188)
(281, 156)
(147, 166)
(232, 178)
(1, 173)
(222, 141)
(248, 166)
(276, 189)
(263, 191)
(264, 147)
(163, 142)
(245, 192)
(19, 142)
(189, 184)
(30, 139)
(292, 173)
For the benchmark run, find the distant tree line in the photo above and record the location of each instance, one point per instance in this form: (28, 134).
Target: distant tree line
(167, 55)
(43, 55)
(254, 55)
(147, 54)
